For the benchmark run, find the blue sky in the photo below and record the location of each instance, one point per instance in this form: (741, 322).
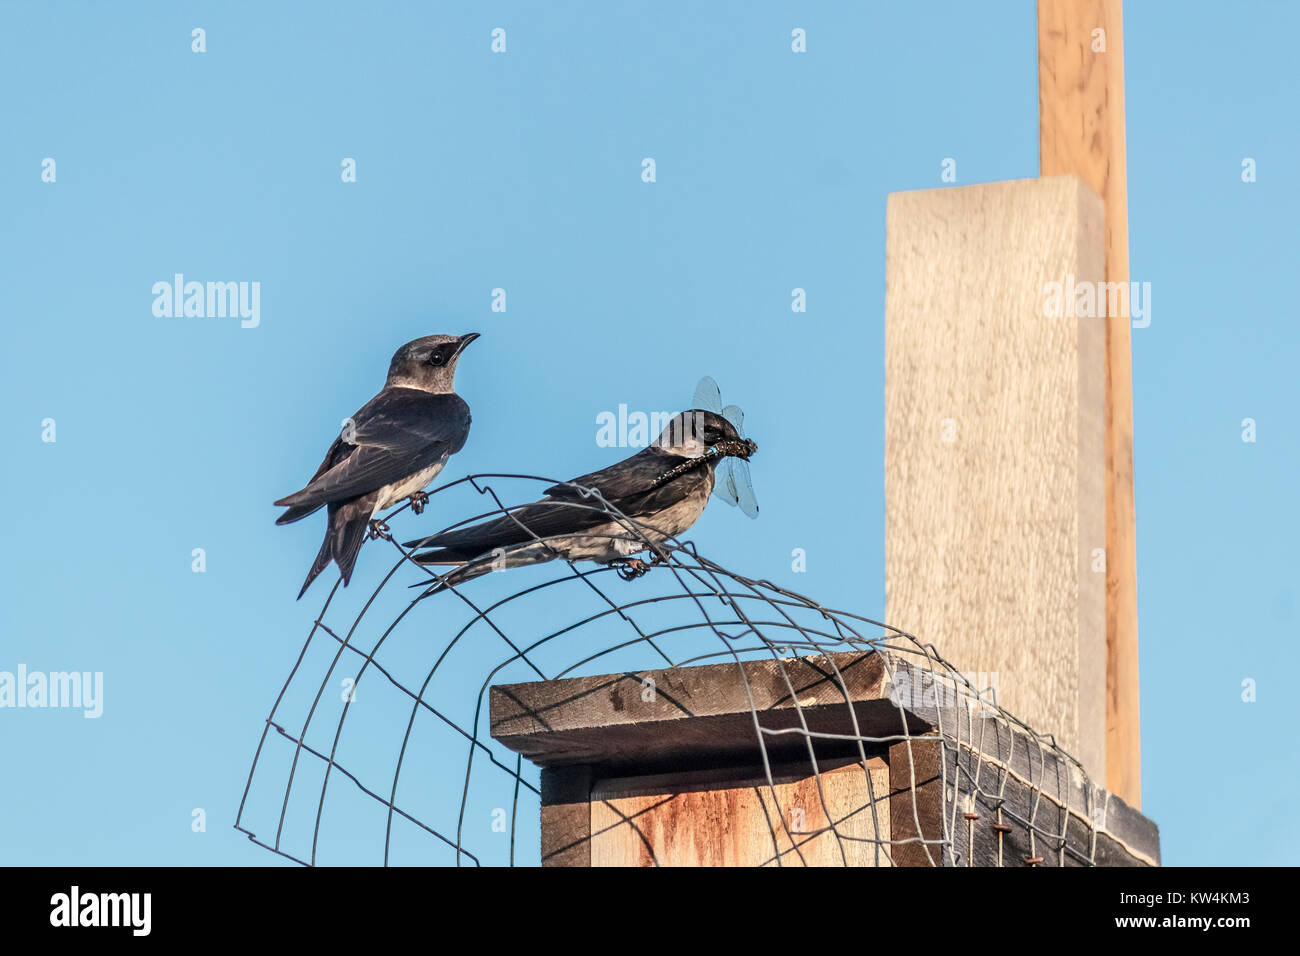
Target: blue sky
(522, 171)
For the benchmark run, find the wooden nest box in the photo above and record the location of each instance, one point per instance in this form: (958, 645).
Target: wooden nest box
(846, 759)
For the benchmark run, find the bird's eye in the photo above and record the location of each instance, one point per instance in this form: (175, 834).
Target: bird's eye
(437, 357)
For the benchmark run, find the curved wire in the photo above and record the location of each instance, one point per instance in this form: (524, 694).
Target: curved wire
(746, 618)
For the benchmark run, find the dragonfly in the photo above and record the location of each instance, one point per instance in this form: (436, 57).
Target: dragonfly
(732, 482)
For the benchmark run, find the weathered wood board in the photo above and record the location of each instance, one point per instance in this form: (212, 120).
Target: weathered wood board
(1081, 132)
(675, 781)
(722, 819)
(995, 444)
(698, 716)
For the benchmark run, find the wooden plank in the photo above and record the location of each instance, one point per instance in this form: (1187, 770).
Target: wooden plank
(1028, 804)
(697, 716)
(566, 817)
(916, 803)
(1052, 812)
(995, 445)
(730, 819)
(1081, 132)
(961, 753)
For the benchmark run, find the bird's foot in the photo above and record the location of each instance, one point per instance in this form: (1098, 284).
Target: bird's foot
(378, 529)
(629, 569)
(418, 501)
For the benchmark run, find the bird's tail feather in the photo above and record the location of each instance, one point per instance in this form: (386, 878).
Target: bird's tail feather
(535, 552)
(441, 555)
(320, 564)
(347, 532)
(297, 513)
(466, 572)
(348, 524)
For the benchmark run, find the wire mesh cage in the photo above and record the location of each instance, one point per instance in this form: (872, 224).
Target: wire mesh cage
(379, 748)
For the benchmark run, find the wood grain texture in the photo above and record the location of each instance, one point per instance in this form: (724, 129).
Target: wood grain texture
(735, 820)
(994, 445)
(1081, 132)
(916, 802)
(1052, 811)
(566, 819)
(696, 716)
(961, 757)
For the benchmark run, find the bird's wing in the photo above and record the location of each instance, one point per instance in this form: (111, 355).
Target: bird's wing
(566, 512)
(337, 452)
(399, 432)
(541, 519)
(627, 477)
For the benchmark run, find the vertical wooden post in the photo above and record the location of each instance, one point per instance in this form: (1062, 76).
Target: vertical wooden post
(1081, 132)
(995, 439)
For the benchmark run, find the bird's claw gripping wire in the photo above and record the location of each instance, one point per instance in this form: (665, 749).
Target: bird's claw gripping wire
(418, 501)
(629, 569)
(378, 529)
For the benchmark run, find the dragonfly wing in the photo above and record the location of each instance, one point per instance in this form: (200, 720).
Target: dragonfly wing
(731, 478)
(707, 395)
(744, 487)
(724, 483)
(733, 414)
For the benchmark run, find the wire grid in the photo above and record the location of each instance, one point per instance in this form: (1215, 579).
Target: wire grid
(725, 615)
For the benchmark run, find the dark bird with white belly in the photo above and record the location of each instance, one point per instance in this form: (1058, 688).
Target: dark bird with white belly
(391, 449)
(661, 490)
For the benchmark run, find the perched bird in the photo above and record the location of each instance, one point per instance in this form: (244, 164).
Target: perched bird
(663, 490)
(389, 450)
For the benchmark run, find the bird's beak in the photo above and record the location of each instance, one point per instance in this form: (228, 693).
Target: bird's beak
(465, 339)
